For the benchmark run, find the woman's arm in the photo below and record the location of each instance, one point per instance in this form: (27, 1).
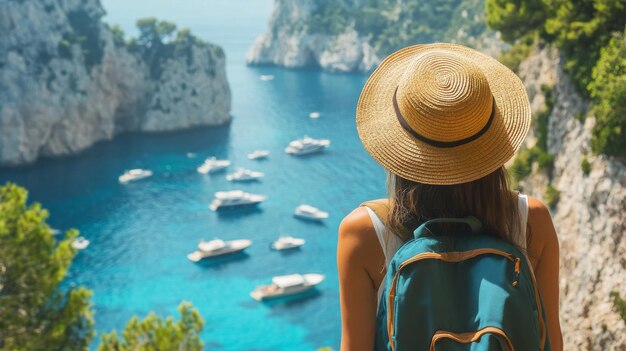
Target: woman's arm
(544, 246)
(359, 259)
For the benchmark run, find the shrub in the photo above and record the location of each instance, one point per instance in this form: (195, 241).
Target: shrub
(551, 195)
(585, 166)
(619, 303)
(608, 89)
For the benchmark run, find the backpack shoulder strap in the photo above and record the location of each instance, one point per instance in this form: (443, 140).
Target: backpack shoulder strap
(379, 206)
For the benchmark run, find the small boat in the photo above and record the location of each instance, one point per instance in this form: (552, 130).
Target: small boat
(287, 242)
(314, 115)
(80, 243)
(234, 198)
(191, 155)
(285, 285)
(310, 212)
(212, 164)
(134, 174)
(218, 247)
(242, 175)
(307, 146)
(258, 154)
(55, 231)
(266, 77)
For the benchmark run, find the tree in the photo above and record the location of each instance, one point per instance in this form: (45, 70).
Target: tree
(153, 33)
(155, 333)
(515, 18)
(34, 313)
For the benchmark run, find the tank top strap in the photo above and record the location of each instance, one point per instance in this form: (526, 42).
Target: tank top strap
(522, 201)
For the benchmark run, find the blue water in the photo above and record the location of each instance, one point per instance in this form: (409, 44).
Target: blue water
(141, 232)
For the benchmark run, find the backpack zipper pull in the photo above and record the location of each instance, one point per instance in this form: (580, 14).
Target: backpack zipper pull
(517, 270)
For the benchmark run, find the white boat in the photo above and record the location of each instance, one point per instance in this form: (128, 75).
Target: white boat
(212, 164)
(242, 175)
(218, 247)
(191, 155)
(306, 146)
(310, 212)
(287, 242)
(266, 77)
(134, 174)
(80, 243)
(235, 198)
(314, 115)
(285, 285)
(258, 154)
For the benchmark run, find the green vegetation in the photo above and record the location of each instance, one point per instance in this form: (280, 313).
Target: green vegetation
(155, 333)
(516, 54)
(522, 165)
(590, 34)
(37, 315)
(608, 89)
(86, 33)
(159, 41)
(585, 166)
(391, 25)
(619, 303)
(32, 265)
(551, 195)
(118, 36)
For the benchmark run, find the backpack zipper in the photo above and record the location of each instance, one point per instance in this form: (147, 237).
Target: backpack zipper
(456, 256)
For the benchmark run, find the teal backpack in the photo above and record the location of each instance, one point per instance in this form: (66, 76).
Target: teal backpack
(460, 293)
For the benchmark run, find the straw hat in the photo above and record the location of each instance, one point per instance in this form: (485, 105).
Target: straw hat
(442, 114)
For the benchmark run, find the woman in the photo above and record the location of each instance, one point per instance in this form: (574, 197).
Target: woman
(443, 120)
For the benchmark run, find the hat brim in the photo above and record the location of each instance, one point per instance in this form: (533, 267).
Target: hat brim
(400, 153)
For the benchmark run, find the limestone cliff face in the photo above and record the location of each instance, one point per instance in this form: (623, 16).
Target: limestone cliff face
(66, 83)
(589, 216)
(284, 45)
(292, 41)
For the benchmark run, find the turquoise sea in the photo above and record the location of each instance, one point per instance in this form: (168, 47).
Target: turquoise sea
(141, 232)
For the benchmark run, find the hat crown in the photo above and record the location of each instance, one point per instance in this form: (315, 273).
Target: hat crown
(444, 96)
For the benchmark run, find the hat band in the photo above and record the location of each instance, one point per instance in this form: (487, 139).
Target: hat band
(437, 143)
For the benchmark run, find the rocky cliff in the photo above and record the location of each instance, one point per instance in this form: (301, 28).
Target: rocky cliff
(589, 214)
(354, 35)
(67, 81)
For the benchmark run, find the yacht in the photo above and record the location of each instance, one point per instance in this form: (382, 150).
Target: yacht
(266, 77)
(285, 285)
(287, 242)
(314, 115)
(134, 174)
(306, 146)
(258, 154)
(80, 243)
(234, 198)
(310, 212)
(218, 247)
(242, 175)
(212, 164)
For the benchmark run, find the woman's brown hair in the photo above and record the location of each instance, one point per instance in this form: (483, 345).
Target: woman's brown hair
(490, 199)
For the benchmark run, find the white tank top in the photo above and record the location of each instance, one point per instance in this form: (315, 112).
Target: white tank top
(390, 243)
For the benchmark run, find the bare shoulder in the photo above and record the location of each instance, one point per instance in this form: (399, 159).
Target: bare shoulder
(358, 246)
(543, 237)
(357, 226)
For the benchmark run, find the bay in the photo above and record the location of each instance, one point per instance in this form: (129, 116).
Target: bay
(141, 232)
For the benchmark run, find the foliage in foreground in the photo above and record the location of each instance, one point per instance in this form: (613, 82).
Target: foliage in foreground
(36, 314)
(155, 333)
(590, 34)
